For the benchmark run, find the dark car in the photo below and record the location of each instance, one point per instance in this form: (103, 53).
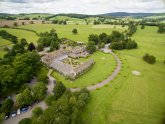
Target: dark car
(7, 115)
(24, 109)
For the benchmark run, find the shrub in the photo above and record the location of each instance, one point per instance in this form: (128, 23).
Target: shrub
(149, 58)
(131, 45)
(37, 111)
(25, 121)
(59, 89)
(49, 99)
(40, 47)
(7, 105)
(74, 31)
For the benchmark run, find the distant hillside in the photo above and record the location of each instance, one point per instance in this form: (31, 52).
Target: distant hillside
(121, 14)
(48, 16)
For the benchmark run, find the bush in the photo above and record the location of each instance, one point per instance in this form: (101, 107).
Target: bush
(74, 31)
(149, 58)
(49, 99)
(131, 45)
(117, 45)
(42, 75)
(7, 105)
(59, 89)
(37, 111)
(39, 90)
(91, 48)
(40, 47)
(25, 121)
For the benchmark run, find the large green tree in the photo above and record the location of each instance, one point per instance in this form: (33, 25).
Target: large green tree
(39, 90)
(91, 47)
(59, 89)
(7, 105)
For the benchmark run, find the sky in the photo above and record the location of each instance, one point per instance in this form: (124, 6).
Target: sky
(81, 6)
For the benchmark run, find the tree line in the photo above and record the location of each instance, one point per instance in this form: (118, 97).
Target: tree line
(18, 66)
(118, 41)
(48, 39)
(64, 107)
(4, 34)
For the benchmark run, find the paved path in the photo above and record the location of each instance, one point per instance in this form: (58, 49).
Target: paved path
(42, 104)
(110, 78)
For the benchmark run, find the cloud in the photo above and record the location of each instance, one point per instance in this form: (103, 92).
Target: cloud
(81, 6)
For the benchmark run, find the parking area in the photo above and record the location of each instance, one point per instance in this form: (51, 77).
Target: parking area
(16, 119)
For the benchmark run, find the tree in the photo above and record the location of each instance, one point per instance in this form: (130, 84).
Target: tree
(149, 58)
(117, 45)
(94, 38)
(74, 31)
(54, 45)
(25, 67)
(50, 99)
(31, 47)
(59, 89)
(101, 45)
(42, 75)
(37, 112)
(142, 26)
(161, 28)
(7, 105)
(40, 47)
(91, 48)
(24, 98)
(2, 116)
(31, 22)
(15, 24)
(25, 121)
(23, 23)
(103, 37)
(131, 45)
(39, 90)
(24, 42)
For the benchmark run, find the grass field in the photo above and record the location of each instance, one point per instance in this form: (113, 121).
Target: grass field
(29, 36)
(104, 64)
(34, 15)
(66, 30)
(131, 99)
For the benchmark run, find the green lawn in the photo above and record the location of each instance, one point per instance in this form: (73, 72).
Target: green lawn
(34, 15)
(29, 36)
(131, 99)
(66, 30)
(103, 67)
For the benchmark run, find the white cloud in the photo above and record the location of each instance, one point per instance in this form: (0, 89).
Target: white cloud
(81, 6)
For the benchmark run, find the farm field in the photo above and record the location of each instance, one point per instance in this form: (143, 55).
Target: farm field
(34, 15)
(29, 36)
(104, 64)
(66, 30)
(131, 99)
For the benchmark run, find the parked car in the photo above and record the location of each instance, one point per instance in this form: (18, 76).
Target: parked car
(25, 109)
(7, 115)
(18, 112)
(13, 114)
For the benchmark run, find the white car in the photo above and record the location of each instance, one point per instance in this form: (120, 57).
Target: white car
(18, 112)
(13, 114)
